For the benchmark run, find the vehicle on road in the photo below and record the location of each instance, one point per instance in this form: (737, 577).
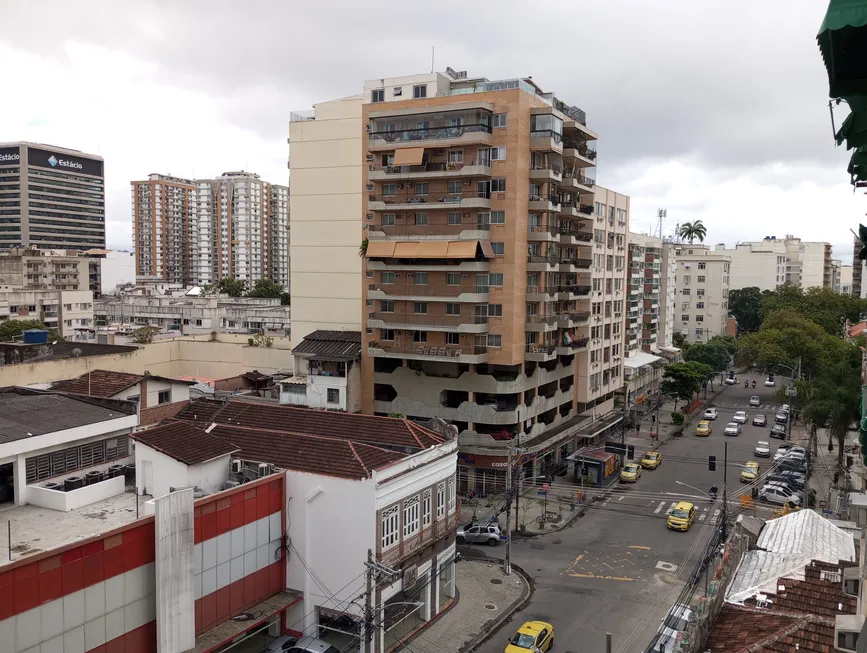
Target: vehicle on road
(763, 449)
(482, 534)
(630, 473)
(750, 471)
(785, 408)
(732, 428)
(731, 379)
(681, 517)
(711, 413)
(775, 493)
(703, 429)
(309, 644)
(770, 383)
(785, 448)
(675, 622)
(760, 420)
(791, 480)
(778, 431)
(532, 636)
(781, 418)
(651, 460)
(740, 417)
(755, 401)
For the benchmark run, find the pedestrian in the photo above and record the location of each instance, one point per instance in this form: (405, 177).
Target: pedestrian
(653, 419)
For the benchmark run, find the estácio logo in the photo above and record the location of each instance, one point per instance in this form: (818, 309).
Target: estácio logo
(9, 157)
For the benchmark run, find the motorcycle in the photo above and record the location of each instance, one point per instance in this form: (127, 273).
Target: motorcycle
(754, 384)
(746, 384)
(713, 492)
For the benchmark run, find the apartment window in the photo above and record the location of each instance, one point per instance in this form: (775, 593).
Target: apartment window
(495, 279)
(333, 396)
(420, 278)
(702, 266)
(495, 340)
(498, 217)
(451, 494)
(388, 219)
(483, 156)
(699, 305)
(453, 279)
(455, 187)
(453, 338)
(453, 308)
(498, 185)
(386, 334)
(377, 95)
(700, 278)
(609, 263)
(398, 91)
(606, 332)
(498, 153)
(596, 284)
(687, 279)
(499, 248)
(685, 291)
(684, 318)
(420, 308)
(410, 516)
(387, 278)
(456, 156)
(389, 526)
(389, 190)
(455, 218)
(498, 120)
(419, 336)
(610, 212)
(441, 500)
(600, 209)
(421, 188)
(700, 292)
(426, 508)
(684, 306)
(419, 91)
(618, 283)
(495, 310)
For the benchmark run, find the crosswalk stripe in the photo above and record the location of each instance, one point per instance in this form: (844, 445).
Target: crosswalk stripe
(702, 516)
(671, 507)
(659, 507)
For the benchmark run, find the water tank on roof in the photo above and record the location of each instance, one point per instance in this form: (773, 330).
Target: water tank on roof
(35, 337)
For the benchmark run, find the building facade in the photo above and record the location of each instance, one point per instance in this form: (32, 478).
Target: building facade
(495, 269)
(70, 312)
(36, 269)
(703, 292)
(196, 232)
(668, 296)
(761, 265)
(808, 264)
(645, 287)
(51, 197)
(326, 165)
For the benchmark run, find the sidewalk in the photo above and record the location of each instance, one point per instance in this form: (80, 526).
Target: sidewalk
(485, 599)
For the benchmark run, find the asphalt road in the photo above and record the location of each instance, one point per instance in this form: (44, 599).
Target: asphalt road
(618, 568)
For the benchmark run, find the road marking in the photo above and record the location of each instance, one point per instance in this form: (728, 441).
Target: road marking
(715, 513)
(659, 507)
(600, 577)
(671, 507)
(666, 566)
(578, 559)
(702, 516)
(643, 548)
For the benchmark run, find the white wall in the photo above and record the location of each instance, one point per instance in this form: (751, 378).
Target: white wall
(167, 472)
(209, 476)
(317, 391)
(84, 496)
(118, 267)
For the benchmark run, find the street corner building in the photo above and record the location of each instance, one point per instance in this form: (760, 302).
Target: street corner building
(229, 522)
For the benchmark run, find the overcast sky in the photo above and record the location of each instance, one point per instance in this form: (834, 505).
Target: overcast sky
(715, 111)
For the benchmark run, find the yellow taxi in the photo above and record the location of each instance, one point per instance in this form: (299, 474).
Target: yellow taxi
(651, 460)
(681, 516)
(630, 473)
(532, 636)
(749, 471)
(703, 429)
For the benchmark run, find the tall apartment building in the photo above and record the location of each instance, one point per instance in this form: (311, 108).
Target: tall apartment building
(857, 270)
(836, 274)
(494, 284)
(645, 286)
(761, 265)
(326, 160)
(808, 264)
(195, 232)
(703, 296)
(668, 295)
(846, 279)
(51, 197)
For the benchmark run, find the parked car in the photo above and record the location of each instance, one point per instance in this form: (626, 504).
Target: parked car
(785, 448)
(785, 408)
(675, 622)
(711, 413)
(755, 401)
(740, 417)
(310, 644)
(760, 420)
(532, 636)
(651, 460)
(775, 493)
(781, 418)
(732, 428)
(763, 449)
(750, 471)
(770, 383)
(481, 534)
(794, 483)
(778, 431)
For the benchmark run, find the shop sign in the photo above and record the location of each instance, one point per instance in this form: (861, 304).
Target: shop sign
(609, 466)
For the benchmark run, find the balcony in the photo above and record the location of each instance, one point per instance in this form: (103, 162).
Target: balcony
(430, 137)
(578, 150)
(428, 171)
(433, 228)
(551, 173)
(406, 291)
(570, 320)
(540, 263)
(574, 264)
(541, 294)
(568, 350)
(546, 140)
(428, 322)
(540, 353)
(442, 528)
(570, 236)
(421, 203)
(566, 293)
(541, 323)
(539, 203)
(391, 349)
(542, 233)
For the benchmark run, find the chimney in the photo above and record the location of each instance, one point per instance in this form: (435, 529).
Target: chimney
(143, 394)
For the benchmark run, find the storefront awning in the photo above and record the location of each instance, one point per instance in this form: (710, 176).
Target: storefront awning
(843, 43)
(410, 156)
(380, 249)
(462, 249)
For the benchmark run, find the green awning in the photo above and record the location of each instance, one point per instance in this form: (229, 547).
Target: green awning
(853, 130)
(843, 43)
(858, 165)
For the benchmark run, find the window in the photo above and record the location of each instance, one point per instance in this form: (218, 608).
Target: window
(390, 521)
(499, 248)
(702, 266)
(377, 95)
(420, 278)
(600, 209)
(420, 219)
(456, 156)
(420, 308)
(455, 218)
(495, 279)
(453, 279)
(453, 308)
(135, 398)
(700, 278)
(421, 188)
(495, 310)
(687, 279)
(700, 292)
(388, 219)
(495, 340)
(398, 91)
(498, 153)
(441, 500)
(685, 291)
(451, 490)
(483, 156)
(699, 305)
(455, 187)
(387, 278)
(419, 336)
(498, 120)
(419, 91)
(164, 397)
(333, 396)
(699, 318)
(426, 508)
(498, 185)
(389, 190)
(684, 318)
(386, 334)
(498, 217)
(453, 338)
(410, 516)
(847, 641)
(684, 306)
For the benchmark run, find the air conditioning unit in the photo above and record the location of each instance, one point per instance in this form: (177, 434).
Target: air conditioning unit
(237, 465)
(369, 157)
(468, 182)
(370, 187)
(465, 276)
(265, 469)
(399, 186)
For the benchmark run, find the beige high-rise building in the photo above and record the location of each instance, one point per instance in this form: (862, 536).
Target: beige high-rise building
(808, 264)
(494, 284)
(755, 265)
(703, 292)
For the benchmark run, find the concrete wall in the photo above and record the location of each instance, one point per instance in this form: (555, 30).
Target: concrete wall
(117, 268)
(753, 266)
(209, 476)
(66, 501)
(156, 472)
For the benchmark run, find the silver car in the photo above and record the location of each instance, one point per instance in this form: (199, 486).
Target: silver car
(755, 401)
(740, 417)
(763, 449)
(481, 534)
(732, 429)
(779, 493)
(310, 644)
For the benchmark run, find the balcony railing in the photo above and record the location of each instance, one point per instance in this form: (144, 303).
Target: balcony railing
(549, 319)
(568, 230)
(427, 167)
(430, 201)
(422, 349)
(540, 349)
(444, 527)
(581, 316)
(539, 258)
(426, 319)
(547, 133)
(429, 134)
(585, 208)
(553, 167)
(430, 229)
(407, 289)
(581, 146)
(542, 229)
(575, 290)
(577, 262)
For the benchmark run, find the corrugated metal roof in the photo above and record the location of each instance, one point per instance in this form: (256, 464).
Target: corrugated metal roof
(331, 344)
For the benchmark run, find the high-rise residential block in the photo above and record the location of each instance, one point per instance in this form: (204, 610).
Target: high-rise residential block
(196, 232)
(836, 274)
(494, 270)
(51, 197)
(807, 264)
(667, 294)
(703, 292)
(762, 265)
(644, 287)
(857, 269)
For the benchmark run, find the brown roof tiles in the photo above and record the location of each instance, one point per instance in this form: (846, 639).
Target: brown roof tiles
(99, 383)
(183, 442)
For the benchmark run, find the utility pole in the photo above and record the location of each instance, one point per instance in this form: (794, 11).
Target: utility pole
(374, 574)
(607, 642)
(507, 562)
(725, 508)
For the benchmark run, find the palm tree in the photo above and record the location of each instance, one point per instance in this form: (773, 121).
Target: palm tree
(692, 230)
(834, 402)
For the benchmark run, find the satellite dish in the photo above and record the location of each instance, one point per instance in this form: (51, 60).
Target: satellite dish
(76, 352)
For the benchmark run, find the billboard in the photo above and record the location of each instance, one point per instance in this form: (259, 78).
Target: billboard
(63, 162)
(9, 156)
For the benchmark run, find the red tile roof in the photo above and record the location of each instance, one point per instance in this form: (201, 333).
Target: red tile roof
(381, 431)
(857, 329)
(99, 383)
(183, 442)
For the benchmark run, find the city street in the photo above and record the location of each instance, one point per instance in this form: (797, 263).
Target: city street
(618, 568)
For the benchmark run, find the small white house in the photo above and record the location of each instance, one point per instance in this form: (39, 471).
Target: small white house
(327, 372)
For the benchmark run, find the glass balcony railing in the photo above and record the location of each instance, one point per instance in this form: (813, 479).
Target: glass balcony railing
(427, 134)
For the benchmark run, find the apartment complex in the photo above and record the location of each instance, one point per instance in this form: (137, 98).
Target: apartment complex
(195, 232)
(808, 264)
(857, 270)
(36, 269)
(761, 265)
(50, 197)
(703, 295)
(326, 163)
(68, 311)
(836, 274)
(668, 296)
(645, 286)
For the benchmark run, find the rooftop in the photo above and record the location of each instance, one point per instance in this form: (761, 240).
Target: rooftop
(342, 345)
(63, 349)
(101, 383)
(183, 442)
(388, 432)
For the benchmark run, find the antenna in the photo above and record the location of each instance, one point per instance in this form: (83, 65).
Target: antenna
(432, 53)
(661, 214)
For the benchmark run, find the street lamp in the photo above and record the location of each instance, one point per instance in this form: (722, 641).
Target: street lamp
(692, 487)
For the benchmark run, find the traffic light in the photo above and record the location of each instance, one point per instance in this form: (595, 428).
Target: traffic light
(630, 452)
(711, 463)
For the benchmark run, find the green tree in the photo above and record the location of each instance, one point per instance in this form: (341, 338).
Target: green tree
(713, 354)
(144, 335)
(823, 306)
(729, 342)
(229, 286)
(678, 340)
(745, 304)
(266, 288)
(693, 230)
(14, 329)
(684, 379)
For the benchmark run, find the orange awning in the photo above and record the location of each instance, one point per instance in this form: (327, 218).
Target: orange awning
(410, 156)
(380, 249)
(487, 250)
(406, 250)
(462, 249)
(433, 249)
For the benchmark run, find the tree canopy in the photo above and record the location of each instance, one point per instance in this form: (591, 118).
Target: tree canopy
(266, 288)
(745, 304)
(685, 379)
(229, 286)
(693, 230)
(14, 329)
(823, 306)
(713, 354)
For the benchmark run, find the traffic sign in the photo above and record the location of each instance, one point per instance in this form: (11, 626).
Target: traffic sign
(615, 447)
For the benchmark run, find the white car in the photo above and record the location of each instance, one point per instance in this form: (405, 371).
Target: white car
(779, 493)
(711, 413)
(732, 429)
(756, 401)
(770, 383)
(784, 450)
(731, 380)
(740, 417)
(309, 644)
(763, 449)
